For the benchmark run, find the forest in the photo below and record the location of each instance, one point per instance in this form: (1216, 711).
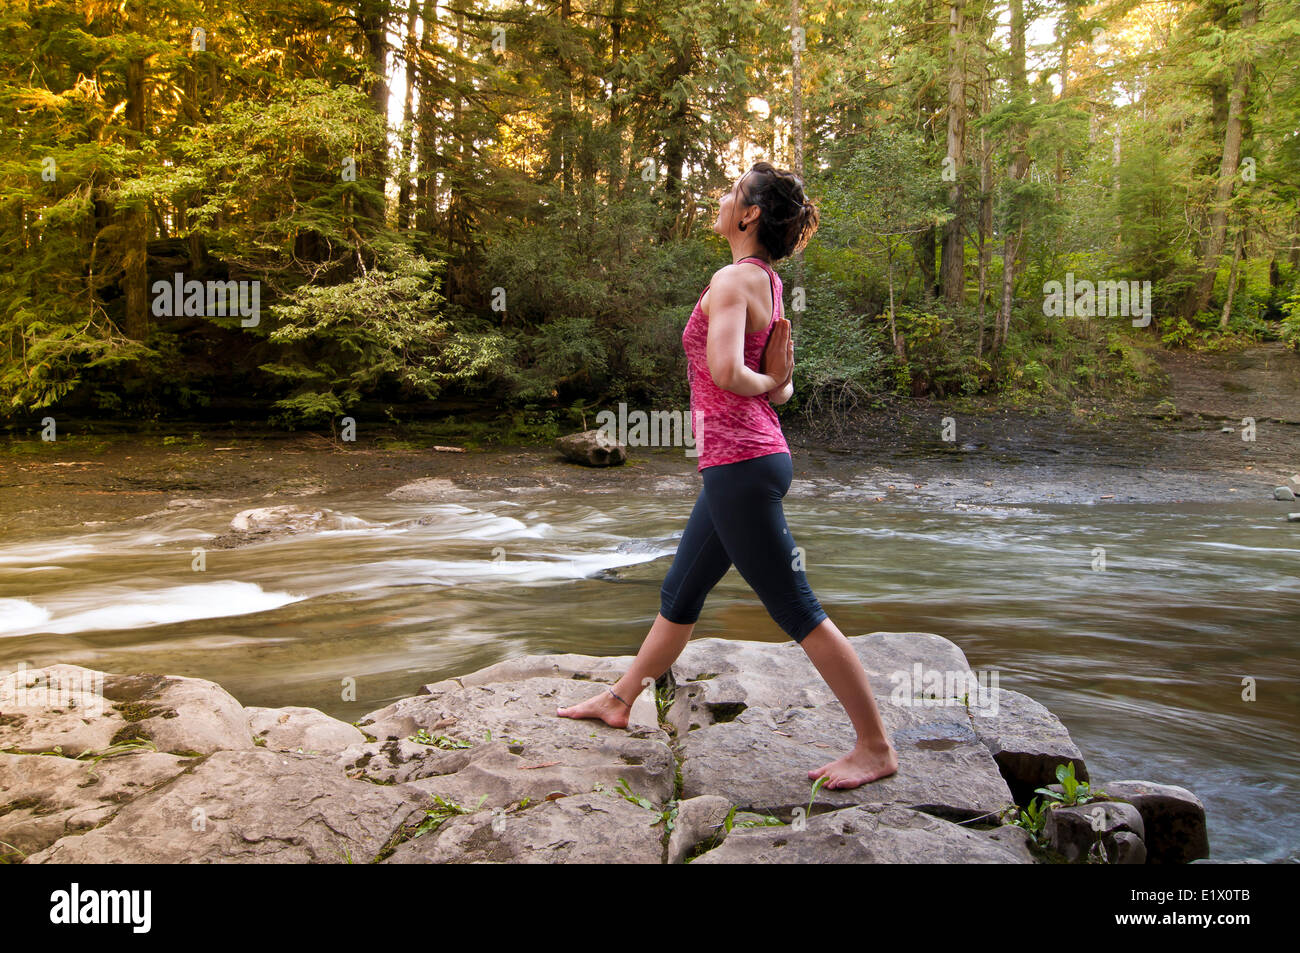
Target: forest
(298, 210)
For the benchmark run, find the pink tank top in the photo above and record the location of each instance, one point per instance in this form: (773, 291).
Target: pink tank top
(727, 427)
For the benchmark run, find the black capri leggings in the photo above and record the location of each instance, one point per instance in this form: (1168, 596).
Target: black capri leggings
(738, 519)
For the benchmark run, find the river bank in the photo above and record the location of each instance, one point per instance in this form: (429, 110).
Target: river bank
(1185, 446)
(712, 768)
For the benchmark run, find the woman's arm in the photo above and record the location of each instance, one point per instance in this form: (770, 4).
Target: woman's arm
(782, 394)
(726, 344)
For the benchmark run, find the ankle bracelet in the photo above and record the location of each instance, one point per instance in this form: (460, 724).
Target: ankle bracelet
(616, 695)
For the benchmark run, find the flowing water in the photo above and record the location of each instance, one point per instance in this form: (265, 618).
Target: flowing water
(1142, 657)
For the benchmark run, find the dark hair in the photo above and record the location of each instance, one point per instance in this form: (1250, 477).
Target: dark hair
(787, 219)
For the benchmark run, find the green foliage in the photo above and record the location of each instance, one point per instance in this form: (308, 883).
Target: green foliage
(522, 240)
(1291, 322)
(1073, 791)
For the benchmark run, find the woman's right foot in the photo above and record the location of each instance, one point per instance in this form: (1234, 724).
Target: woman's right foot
(603, 706)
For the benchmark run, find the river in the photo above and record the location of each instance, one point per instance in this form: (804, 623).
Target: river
(1142, 656)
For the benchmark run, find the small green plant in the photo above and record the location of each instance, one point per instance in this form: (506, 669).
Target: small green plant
(422, 737)
(1032, 818)
(750, 820)
(441, 811)
(817, 786)
(117, 749)
(1074, 790)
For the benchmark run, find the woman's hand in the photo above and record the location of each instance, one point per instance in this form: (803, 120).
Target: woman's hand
(778, 354)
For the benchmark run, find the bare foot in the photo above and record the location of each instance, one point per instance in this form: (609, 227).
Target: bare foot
(603, 706)
(860, 766)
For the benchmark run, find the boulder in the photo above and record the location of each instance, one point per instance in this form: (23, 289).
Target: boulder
(943, 769)
(520, 748)
(264, 523)
(1028, 742)
(308, 729)
(866, 834)
(699, 821)
(1173, 819)
(44, 797)
(177, 714)
(588, 828)
(1283, 493)
(58, 708)
(252, 806)
(741, 704)
(593, 448)
(1074, 830)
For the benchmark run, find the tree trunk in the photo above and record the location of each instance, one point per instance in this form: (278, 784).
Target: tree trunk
(135, 221)
(952, 270)
(1019, 167)
(796, 111)
(1199, 297)
(1237, 249)
(411, 54)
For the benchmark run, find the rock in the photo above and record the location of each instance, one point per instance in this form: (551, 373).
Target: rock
(44, 797)
(699, 821)
(1283, 493)
(178, 714)
(1173, 819)
(1293, 517)
(1014, 838)
(269, 522)
(747, 703)
(252, 806)
(521, 748)
(943, 768)
(1126, 848)
(594, 448)
(429, 489)
(1073, 831)
(607, 670)
(1027, 741)
(867, 834)
(286, 518)
(309, 729)
(398, 761)
(487, 755)
(58, 708)
(590, 828)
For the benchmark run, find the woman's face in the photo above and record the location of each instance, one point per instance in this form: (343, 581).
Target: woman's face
(731, 207)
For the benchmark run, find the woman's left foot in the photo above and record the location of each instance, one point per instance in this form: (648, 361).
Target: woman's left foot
(860, 766)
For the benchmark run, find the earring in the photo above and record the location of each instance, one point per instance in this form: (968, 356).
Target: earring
(742, 226)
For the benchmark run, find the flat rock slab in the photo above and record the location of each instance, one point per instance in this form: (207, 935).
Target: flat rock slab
(868, 834)
(760, 762)
(252, 806)
(590, 828)
(520, 747)
(44, 797)
(178, 714)
(59, 708)
(296, 728)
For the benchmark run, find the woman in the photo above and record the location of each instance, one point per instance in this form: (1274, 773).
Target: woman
(746, 468)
